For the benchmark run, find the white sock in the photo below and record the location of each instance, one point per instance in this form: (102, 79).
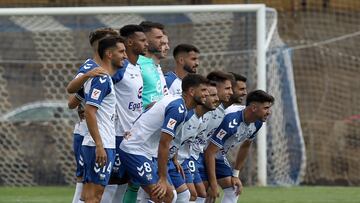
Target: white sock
(140, 194)
(200, 200)
(229, 196)
(108, 194)
(192, 202)
(80, 201)
(175, 196)
(119, 194)
(143, 197)
(77, 194)
(183, 197)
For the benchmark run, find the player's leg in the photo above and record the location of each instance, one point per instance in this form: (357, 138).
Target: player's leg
(96, 177)
(178, 181)
(193, 166)
(189, 180)
(118, 182)
(77, 141)
(223, 175)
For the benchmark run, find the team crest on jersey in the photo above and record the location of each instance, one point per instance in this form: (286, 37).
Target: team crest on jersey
(171, 124)
(95, 94)
(221, 134)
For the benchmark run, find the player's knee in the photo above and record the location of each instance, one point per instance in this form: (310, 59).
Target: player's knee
(183, 197)
(193, 194)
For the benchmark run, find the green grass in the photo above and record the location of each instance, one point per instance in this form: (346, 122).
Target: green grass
(250, 195)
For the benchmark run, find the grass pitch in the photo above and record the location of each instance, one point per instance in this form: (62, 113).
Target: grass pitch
(250, 195)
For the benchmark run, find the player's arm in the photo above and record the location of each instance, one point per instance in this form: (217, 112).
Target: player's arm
(73, 101)
(163, 154)
(77, 83)
(239, 163)
(174, 115)
(209, 156)
(90, 117)
(178, 165)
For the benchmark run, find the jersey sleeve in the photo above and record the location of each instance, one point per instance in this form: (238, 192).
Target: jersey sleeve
(87, 66)
(80, 94)
(258, 125)
(225, 130)
(174, 116)
(99, 88)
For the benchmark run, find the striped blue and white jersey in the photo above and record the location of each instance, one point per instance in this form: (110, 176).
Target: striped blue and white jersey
(128, 86)
(209, 123)
(173, 83)
(167, 115)
(182, 142)
(88, 65)
(99, 92)
(233, 130)
(81, 128)
(163, 80)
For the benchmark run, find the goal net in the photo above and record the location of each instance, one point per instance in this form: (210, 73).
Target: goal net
(40, 54)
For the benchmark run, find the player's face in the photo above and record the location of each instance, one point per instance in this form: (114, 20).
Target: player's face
(239, 92)
(201, 92)
(191, 62)
(262, 110)
(154, 38)
(140, 43)
(224, 90)
(212, 101)
(165, 46)
(118, 55)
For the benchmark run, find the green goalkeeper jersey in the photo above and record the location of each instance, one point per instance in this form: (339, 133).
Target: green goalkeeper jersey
(152, 83)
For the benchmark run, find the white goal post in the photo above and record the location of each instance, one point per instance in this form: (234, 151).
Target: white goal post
(260, 10)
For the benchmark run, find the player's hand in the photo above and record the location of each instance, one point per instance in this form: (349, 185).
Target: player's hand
(179, 168)
(160, 188)
(98, 71)
(213, 193)
(237, 185)
(127, 134)
(101, 156)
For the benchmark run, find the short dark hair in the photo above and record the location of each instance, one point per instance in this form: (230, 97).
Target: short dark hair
(192, 80)
(238, 77)
(259, 96)
(107, 43)
(100, 33)
(129, 30)
(184, 48)
(219, 76)
(149, 25)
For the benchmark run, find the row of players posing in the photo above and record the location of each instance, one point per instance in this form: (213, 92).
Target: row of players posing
(197, 114)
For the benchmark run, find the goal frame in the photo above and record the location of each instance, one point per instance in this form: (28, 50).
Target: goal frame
(259, 9)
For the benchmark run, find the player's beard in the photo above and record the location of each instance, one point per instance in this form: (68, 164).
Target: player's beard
(198, 100)
(188, 69)
(236, 99)
(153, 50)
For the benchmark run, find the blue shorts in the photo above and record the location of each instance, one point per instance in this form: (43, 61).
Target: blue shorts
(141, 170)
(200, 165)
(176, 178)
(77, 141)
(223, 168)
(92, 172)
(193, 166)
(187, 172)
(118, 168)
